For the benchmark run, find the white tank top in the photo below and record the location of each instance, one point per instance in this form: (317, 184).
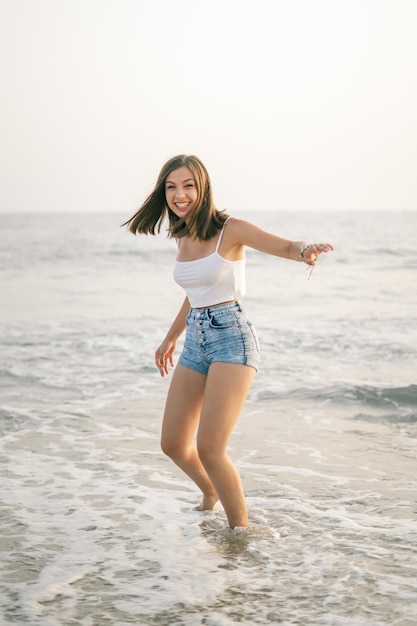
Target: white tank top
(212, 279)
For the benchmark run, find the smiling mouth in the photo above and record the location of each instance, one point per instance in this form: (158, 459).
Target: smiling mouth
(182, 205)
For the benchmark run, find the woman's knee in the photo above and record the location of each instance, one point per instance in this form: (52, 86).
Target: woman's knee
(174, 447)
(169, 446)
(208, 452)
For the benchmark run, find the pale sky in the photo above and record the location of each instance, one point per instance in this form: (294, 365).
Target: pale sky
(291, 104)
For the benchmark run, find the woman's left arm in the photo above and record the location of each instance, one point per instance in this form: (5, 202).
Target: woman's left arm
(243, 233)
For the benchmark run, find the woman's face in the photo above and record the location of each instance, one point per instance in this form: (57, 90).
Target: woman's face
(181, 191)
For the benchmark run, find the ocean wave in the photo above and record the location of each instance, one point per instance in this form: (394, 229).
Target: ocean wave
(387, 418)
(394, 396)
(388, 404)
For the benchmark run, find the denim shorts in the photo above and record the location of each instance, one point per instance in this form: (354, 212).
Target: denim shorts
(219, 333)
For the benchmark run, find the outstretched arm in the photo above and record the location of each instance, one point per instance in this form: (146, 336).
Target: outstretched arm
(243, 233)
(165, 353)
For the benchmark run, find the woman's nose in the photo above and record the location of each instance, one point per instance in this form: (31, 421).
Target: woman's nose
(180, 193)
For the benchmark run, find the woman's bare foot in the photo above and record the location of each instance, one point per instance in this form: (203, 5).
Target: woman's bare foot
(207, 503)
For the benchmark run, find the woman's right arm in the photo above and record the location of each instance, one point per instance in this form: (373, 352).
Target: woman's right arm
(165, 353)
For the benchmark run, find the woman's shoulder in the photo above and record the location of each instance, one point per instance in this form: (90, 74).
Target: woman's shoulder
(241, 232)
(232, 219)
(237, 231)
(237, 224)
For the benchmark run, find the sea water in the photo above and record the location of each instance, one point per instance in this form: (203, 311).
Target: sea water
(98, 527)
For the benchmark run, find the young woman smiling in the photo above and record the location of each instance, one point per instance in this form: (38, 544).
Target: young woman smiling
(221, 352)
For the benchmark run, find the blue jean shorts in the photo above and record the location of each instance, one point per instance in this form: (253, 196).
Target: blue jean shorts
(219, 333)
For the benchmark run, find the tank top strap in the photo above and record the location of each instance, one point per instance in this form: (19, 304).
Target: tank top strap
(221, 234)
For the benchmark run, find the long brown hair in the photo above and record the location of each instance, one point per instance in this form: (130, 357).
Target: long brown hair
(203, 222)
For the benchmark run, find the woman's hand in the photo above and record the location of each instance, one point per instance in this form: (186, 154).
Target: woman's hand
(310, 253)
(164, 355)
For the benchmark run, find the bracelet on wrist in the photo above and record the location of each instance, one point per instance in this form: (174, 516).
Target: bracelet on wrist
(303, 248)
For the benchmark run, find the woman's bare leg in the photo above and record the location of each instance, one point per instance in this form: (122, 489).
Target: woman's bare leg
(181, 418)
(225, 392)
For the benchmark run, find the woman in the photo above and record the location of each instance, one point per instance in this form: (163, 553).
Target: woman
(221, 353)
